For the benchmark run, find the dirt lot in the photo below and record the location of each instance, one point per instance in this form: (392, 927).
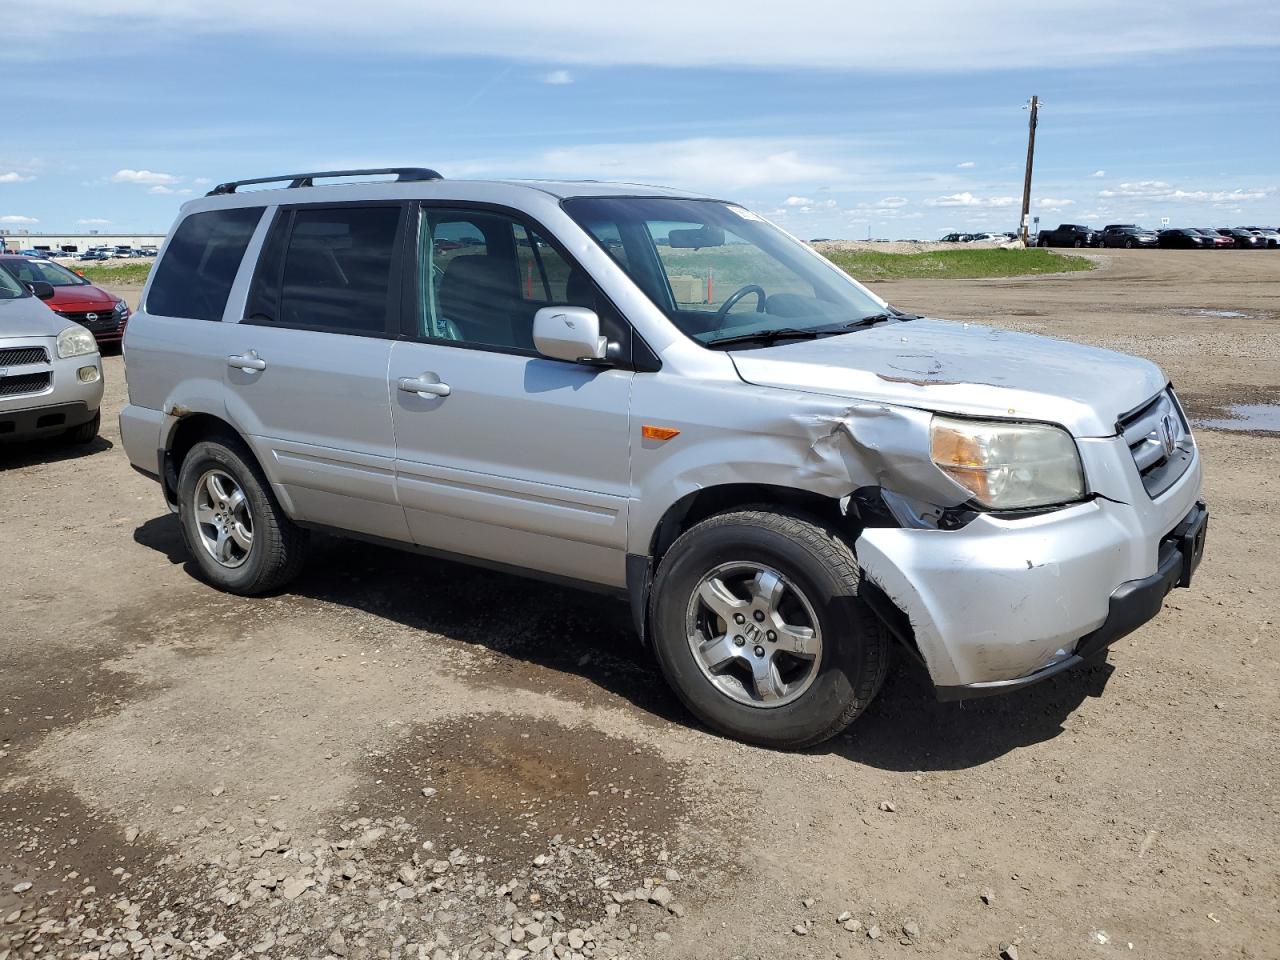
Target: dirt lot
(407, 758)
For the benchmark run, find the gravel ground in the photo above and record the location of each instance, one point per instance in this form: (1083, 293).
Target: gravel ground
(405, 758)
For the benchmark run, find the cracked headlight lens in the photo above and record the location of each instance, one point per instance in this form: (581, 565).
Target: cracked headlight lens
(1008, 466)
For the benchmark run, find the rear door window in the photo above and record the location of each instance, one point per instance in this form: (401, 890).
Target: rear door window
(194, 277)
(330, 268)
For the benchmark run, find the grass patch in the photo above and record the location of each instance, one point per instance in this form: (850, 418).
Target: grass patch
(954, 264)
(863, 264)
(123, 274)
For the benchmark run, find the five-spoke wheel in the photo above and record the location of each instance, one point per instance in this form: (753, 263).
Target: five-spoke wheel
(223, 518)
(754, 634)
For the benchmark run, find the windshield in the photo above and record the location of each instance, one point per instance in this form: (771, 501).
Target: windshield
(29, 270)
(9, 287)
(719, 271)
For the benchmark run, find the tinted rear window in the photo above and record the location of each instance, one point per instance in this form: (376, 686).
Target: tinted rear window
(328, 268)
(195, 274)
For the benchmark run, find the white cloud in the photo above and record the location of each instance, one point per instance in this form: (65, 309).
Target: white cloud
(967, 165)
(558, 78)
(92, 222)
(14, 177)
(805, 205)
(967, 199)
(888, 208)
(201, 181)
(16, 220)
(720, 164)
(161, 188)
(927, 35)
(143, 177)
(1162, 192)
(1099, 173)
(1050, 204)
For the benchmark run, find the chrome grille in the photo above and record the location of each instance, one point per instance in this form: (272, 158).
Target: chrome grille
(12, 386)
(1160, 441)
(101, 319)
(18, 356)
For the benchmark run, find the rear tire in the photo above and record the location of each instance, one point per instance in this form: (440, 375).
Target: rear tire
(789, 688)
(239, 538)
(86, 432)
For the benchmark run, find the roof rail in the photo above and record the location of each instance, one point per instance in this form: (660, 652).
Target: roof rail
(403, 175)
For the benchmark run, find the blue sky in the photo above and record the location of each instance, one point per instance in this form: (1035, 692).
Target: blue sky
(836, 119)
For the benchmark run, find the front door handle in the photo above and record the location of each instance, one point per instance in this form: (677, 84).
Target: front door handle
(249, 363)
(427, 385)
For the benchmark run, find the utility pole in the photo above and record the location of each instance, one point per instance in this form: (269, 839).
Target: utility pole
(1026, 184)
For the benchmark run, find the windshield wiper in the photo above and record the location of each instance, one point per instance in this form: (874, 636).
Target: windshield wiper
(885, 317)
(770, 336)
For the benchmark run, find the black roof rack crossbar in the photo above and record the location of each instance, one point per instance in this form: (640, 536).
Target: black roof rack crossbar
(403, 175)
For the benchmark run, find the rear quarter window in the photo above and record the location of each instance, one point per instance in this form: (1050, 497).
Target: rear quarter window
(194, 277)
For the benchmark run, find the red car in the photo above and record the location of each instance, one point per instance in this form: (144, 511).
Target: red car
(74, 297)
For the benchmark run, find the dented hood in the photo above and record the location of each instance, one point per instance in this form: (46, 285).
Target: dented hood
(963, 368)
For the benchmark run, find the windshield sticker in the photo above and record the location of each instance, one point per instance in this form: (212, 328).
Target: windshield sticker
(744, 213)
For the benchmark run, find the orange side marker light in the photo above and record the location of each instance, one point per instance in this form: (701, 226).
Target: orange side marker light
(650, 432)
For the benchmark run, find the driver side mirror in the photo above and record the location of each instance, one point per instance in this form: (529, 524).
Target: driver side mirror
(41, 289)
(569, 333)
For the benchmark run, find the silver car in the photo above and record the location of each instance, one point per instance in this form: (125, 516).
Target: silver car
(666, 396)
(50, 370)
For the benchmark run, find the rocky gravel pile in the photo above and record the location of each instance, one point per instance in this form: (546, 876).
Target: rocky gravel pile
(368, 888)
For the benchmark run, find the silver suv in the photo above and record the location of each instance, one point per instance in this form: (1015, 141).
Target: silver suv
(666, 396)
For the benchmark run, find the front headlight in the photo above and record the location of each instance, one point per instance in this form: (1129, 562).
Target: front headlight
(76, 342)
(1007, 466)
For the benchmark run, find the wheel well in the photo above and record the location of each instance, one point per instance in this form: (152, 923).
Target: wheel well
(695, 507)
(189, 431)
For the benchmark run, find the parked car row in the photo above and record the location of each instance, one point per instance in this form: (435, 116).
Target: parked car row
(116, 253)
(93, 253)
(1131, 236)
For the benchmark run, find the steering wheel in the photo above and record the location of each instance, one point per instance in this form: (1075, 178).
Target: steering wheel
(723, 313)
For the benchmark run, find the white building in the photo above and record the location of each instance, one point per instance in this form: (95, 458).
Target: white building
(54, 244)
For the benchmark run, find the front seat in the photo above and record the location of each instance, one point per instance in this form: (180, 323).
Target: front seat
(480, 295)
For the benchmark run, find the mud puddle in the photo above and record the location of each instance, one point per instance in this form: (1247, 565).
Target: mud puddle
(506, 786)
(1258, 418)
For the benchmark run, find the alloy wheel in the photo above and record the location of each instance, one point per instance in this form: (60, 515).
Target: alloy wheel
(223, 519)
(754, 634)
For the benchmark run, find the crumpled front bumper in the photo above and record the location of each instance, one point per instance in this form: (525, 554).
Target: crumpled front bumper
(1002, 603)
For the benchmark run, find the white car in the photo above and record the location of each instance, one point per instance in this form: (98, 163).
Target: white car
(665, 396)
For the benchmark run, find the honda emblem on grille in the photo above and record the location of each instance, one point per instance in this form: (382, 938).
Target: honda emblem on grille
(1168, 437)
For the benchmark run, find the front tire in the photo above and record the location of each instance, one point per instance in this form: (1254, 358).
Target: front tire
(86, 432)
(759, 629)
(239, 538)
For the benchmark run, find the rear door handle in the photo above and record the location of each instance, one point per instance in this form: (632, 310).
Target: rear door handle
(427, 385)
(250, 363)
